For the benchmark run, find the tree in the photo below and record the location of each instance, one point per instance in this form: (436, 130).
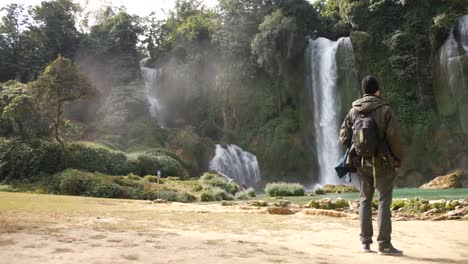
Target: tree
(11, 39)
(273, 44)
(111, 47)
(56, 20)
(17, 113)
(60, 83)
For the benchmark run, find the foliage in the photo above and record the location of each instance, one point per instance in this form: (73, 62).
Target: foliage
(273, 44)
(18, 114)
(26, 160)
(215, 194)
(245, 194)
(212, 180)
(329, 188)
(112, 43)
(284, 189)
(75, 182)
(61, 82)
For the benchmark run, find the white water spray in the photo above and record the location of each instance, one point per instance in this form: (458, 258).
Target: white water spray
(151, 77)
(234, 163)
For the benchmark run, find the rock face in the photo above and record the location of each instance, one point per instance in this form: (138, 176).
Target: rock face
(451, 180)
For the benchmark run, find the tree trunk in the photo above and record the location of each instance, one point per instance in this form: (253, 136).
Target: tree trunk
(57, 127)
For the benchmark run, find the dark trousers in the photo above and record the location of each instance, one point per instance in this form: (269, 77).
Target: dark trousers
(385, 181)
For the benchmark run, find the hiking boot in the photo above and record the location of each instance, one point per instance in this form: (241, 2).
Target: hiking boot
(365, 248)
(389, 251)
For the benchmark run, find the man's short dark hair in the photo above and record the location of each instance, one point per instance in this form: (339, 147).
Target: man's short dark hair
(369, 85)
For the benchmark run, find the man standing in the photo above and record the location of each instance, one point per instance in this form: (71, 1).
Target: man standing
(370, 117)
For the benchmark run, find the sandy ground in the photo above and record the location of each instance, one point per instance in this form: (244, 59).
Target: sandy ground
(61, 229)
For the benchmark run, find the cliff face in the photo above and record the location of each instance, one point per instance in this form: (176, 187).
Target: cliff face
(433, 116)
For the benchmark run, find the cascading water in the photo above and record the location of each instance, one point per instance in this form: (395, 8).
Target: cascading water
(151, 77)
(234, 163)
(451, 80)
(328, 94)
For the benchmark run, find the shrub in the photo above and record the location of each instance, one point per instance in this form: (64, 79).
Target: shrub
(340, 203)
(330, 188)
(148, 164)
(319, 191)
(215, 194)
(242, 195)
(246, 194)
(167, 195)
(284, 189)
(24, 160)
(93, 157)
(258, 203)
(210, 180)
(282, 203)
(397, 204)
(151, 178)
(134, 177)
(74, 182)
(251, 192)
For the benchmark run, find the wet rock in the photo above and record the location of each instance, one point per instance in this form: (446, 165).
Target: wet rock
(281, 203)
(330, 188)
(279, 211)
(258, 203)
(325, 213)
(451, 180)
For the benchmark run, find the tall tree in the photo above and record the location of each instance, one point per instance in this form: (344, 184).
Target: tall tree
(60, 83)
(56, 20)
(11, 41)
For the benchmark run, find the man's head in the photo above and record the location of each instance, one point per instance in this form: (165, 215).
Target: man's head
(370, 85)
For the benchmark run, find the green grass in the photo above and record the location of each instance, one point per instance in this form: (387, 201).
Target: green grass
(398, 193)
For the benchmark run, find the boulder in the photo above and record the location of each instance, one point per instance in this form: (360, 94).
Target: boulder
(451, 180)
(325, 213)
(279, 211)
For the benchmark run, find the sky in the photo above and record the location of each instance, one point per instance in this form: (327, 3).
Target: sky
(136, 7)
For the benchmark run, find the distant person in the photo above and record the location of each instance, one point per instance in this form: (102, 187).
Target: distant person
(372, 132)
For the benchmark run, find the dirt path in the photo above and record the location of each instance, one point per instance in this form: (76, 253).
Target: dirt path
(60, 229)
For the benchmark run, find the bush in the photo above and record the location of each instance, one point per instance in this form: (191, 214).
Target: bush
(25, 160)
(330, 188)
(282, 203)
(242, 195)
(151, 178)
(148, 164)
(340, 203)
(96, 158)
(319, 191)
(284, 189)
(251, 192)
(73, 182)
(211, 180)
(134, 177)
(215, 194)
(246, 194)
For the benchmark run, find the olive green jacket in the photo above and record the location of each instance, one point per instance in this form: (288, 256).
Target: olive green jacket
(387, 124)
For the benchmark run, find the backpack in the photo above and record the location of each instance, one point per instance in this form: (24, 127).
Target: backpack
(365, 135)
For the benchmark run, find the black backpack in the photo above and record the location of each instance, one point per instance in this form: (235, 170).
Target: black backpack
(365, 135)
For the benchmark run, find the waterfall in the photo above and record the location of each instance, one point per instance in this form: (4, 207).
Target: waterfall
(151, 77)
(235, 164)
(331, 86)
(463, 32)
(451, 79)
